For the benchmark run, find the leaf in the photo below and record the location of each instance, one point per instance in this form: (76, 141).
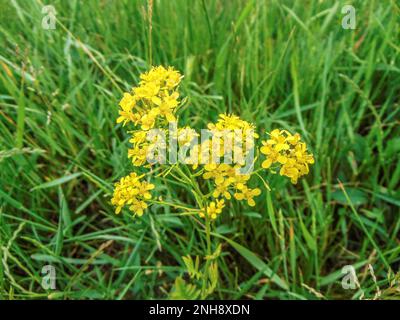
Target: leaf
(192, 267)
(168, 220)
(256, 262)
(212, 274)
(311, 243)
(183, 291)
(216, 253)
(271, 213)
(253, 214)
(57, 181)
(225, 229)
(356, 196)
(336, 275)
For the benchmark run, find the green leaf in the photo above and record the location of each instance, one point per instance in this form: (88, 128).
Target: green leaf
(356, 196)
(58, 181)
(256, 262)
(311, 243)
(183, 291)
(253, 214)
(192, 267)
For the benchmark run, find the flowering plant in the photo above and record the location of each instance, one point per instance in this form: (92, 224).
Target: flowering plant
(224, 157)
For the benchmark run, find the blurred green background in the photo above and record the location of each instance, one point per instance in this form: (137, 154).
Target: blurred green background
(286, 64)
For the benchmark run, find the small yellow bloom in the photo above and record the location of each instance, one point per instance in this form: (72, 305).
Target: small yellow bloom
(216, 171)
(155, 97)
(126, 114)
(213, 209)
(148, 120)
(287, 150)
(223, 188)
(149, 91)
(186, 136)
(248, 194)
(132, 192)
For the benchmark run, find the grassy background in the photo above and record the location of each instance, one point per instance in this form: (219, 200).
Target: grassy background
(276, 63)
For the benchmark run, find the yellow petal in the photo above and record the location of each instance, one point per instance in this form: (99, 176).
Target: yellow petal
(266, 163)
(156, 100)
(120, 119)
(170, 117)
(282, 159)
(281, 146)
(219, 180)
(239, 196)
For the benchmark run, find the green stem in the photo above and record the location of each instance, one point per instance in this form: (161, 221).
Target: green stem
(208, 253)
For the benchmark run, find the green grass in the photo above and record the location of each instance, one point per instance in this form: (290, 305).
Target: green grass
(286, 64)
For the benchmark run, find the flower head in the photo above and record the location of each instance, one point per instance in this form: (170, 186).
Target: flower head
(155, 98)
(132, 192)
(289, 152)
(213, 209)
(248, 194)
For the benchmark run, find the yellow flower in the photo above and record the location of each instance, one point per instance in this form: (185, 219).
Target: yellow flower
(138, 207)
(213, 209)
(288, 151)
(138, 137)
(235, 136)
(138, 154)
(131, 192)
(217, 171)
(165, 78)
(168, 105)
(148, 120)
(186, 135)
(172, 79)
(223, 188)
(148, 91)
(126, 115)
(155, 97)
(248, 194)
(240, 180)
(233, 122)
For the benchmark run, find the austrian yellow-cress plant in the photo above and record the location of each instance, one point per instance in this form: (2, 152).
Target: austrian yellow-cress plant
(154, 104)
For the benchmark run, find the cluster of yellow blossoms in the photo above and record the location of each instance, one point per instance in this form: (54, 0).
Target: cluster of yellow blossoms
(155, 98)
(132, 192)
(213, 209)
(153, 102)
(289, 152)
(234, 138)
(224, 156)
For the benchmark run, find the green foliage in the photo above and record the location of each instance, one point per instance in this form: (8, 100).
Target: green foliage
(205, 277)
(192, 267)
(184, 291)
(286, 64)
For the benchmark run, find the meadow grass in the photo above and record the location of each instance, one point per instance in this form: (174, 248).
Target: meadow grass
(286, 64)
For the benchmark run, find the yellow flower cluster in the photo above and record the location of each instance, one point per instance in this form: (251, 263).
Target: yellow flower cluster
(185, 136)
(155, 97)
(236, 134)
(154, 102)
(213, 209)
(235, 137)
(132, 192)
(143, 146)
(289, 152)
